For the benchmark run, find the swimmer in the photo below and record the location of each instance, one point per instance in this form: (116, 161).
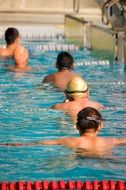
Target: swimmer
(77, 98)
(14, 50)
(89, 123)
(64, 65)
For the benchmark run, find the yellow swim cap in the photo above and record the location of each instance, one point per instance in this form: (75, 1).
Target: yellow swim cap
(76, 87)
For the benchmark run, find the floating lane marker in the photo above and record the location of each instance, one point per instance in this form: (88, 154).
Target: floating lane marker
(45, 109)
(115, 108)
(24, 110)
(54, 47)
(118, 83)
(50, 47)
(51, 36)
(7, 85)
(89, 63)
(62, 185)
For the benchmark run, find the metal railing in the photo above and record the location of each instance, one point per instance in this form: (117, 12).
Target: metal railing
(108, 5)
(76, 5)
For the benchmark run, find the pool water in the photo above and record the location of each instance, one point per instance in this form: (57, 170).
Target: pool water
(25, 117)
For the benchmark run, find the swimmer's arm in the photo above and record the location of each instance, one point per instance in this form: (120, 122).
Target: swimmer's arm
(57, 106)
(120, 141)
(68, 142)
(21, 55)
(62, 141)
(49, 142)
(100, 106)
(11, 144)
(47, 79)
(18, 144)
(54, 107)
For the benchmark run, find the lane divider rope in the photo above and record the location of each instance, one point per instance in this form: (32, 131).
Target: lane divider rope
(55, 47)
(88, 63)
(64, 185)
(45, 109)
(51, 47)
(49, 36)
(23, 109)
(118, 83)
(115, 108)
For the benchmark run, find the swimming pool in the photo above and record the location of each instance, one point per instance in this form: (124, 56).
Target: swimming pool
(25, 117)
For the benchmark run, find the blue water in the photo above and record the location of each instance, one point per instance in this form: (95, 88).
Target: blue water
(25, 117)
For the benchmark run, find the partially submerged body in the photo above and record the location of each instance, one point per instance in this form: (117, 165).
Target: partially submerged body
(60, 78)
(21, 60)
(72, 108)
(77, 98)
(85, 146)
(15, 51)
(89, 123)
(64, 65)
(89, 146)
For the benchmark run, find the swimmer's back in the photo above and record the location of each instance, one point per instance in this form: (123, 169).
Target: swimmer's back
(60, 79)
(73, 107)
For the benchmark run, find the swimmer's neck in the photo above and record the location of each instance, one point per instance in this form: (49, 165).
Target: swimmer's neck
(11, 46)
(89, 133)
(64, 70)
(77, 98)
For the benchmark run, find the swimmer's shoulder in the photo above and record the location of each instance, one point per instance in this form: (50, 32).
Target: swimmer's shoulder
(49, 78)
(4, 52)
(1, 51)
(110, 142)
(20, 50)
(97, 105)
(59, 106)
(118, 141)
(75, 74)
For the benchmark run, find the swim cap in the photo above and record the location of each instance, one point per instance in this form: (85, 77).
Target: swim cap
(76, 87)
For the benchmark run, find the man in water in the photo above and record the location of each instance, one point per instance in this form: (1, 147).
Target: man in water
(77, 98)
(64, 65)
(14, 50)
(89, 123)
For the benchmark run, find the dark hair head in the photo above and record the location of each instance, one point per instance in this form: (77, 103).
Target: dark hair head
(88, 118)
(10, 35)
(64, 60)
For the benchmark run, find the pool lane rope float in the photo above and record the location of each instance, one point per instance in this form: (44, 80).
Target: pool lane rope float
(64, 185)
(53, 47)
(50, 47)
(31, 110)
(96, 63)
(49, 36)
(65, 47)
(117, 83)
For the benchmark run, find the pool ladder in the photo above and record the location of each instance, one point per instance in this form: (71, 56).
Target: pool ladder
(114, 12)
